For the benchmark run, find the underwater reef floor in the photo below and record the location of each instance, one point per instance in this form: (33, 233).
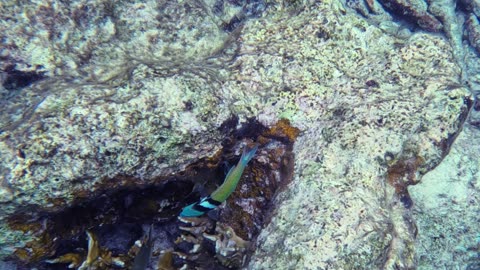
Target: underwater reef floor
(116, 114)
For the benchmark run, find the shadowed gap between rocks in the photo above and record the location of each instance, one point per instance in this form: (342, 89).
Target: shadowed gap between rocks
(119, 216)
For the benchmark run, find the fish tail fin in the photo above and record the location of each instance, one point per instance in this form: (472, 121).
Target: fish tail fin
(248, 154)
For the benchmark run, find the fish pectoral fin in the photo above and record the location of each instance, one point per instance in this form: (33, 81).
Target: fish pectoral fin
(228, 174)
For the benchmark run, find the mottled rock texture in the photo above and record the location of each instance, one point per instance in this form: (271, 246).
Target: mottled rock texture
(142, 89)
(457, 20)
(366, 101)
(447, 203)
(129, 89)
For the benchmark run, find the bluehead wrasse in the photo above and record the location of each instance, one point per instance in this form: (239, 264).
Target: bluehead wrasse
(143, 256)
(223, 191)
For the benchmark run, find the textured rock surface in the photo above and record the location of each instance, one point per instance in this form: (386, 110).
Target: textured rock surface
(365, 100)
(458, 20)
(447, 203)
(109, 104)
(145, 97)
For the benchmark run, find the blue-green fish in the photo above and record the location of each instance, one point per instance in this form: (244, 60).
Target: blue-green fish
(222, 192)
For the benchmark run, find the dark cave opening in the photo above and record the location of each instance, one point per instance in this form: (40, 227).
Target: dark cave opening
(117, 220)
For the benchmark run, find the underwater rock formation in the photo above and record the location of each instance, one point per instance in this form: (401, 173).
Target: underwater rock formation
(142, 107)
(457, 20)
(413, 10)
(372, 125)
(447, 203)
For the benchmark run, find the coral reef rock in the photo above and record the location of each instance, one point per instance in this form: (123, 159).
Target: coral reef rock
(447, 203)
(117, 111)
